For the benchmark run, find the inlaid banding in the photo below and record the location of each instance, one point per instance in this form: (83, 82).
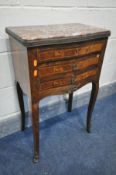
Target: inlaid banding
(59, 53)
(66, 67)
(55, 83)
(86, 74)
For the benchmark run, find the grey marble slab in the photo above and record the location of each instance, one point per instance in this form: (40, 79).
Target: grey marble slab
(55, 34)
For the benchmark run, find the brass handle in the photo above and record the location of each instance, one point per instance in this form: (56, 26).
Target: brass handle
(98, 55)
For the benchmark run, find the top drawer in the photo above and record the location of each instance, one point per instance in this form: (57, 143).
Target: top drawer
(68, 51)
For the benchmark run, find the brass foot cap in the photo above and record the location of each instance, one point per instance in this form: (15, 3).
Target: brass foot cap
(35, 159)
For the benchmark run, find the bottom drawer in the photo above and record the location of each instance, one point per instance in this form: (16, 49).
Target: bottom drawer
(67, 80)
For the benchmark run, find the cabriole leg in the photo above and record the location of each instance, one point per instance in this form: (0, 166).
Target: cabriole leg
(94, 92)
(21, 104)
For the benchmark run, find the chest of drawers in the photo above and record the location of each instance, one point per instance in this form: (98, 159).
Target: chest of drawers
(53, 60)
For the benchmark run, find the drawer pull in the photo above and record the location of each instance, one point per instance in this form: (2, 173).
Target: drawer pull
(35, 63)
(98, 55)
(35, 73)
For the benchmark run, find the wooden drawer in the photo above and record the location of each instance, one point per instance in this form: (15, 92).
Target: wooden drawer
(64, 81)
(58, 69)
(70, 78)
(54, 69)
(68, 51)
(86, 75)
(65, 73)
(84, 64)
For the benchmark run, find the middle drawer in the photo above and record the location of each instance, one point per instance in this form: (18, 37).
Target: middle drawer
(56, 70)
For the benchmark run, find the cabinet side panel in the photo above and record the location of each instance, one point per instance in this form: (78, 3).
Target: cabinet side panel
(20, 62)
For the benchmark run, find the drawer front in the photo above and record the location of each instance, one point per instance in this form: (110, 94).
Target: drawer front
(72, 79)
(69, 51)
(84, 64)
(86, 75)
(59, 69)
(78, 71)
(55, 69)
(52, 74)
(59, 74)
(67, 80)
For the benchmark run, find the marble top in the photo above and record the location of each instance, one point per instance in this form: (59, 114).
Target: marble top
(55, 34)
